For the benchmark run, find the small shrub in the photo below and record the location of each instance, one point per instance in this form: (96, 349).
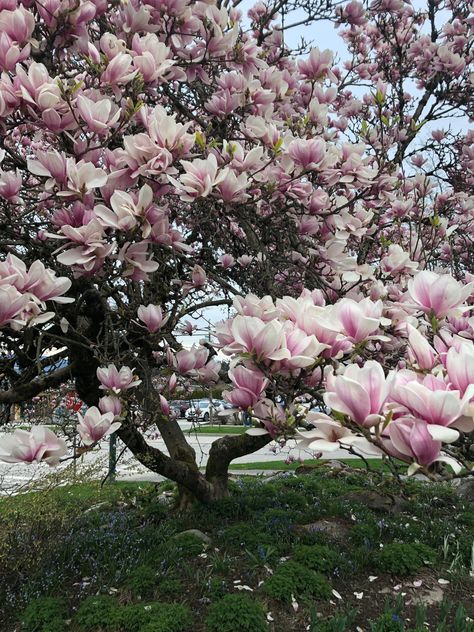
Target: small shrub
(187, 544)
(339, 623)
(365, 534)
(291, 578)
(155, 617)
(404, 559)
(45, 614)
(236, 613)
(170, 587)
(388, 622)
(317, 557)
(142, 581)
(169, 617)
(99, 612)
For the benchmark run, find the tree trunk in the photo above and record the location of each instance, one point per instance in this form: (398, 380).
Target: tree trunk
(223, 452)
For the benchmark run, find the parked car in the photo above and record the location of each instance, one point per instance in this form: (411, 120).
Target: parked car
(179, 407)
(203, 410)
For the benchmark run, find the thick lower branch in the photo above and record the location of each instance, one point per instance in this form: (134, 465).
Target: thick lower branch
(23, 392)
(183, 473)
(226, 449)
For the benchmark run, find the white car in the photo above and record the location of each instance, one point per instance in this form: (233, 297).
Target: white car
(202, 410)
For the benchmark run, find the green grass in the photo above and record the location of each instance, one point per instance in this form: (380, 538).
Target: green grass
(375, 464)
(220, 429)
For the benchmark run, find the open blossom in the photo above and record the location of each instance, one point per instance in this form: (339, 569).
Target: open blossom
(359, 392)
(460, 367)
(397, 261)
(98, 115)
(113, 379)
(119, 70)
(89, 247)
(152, 317)
(413, 439)
(38, 444)
(309, 154)
(359, 320)
(188, 360)
(137, 263)
(199, 178)
(125, 211)
(438, 294)
(248, 387)
(301, 350)
(198, 280)
(429, 398)
(252, 335)
(82, 177)
(317, 66)
(12, 306)
(152, 56)
(94, 425)
(328, 435)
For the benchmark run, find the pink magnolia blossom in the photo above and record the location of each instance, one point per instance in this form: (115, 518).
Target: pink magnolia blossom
(317, 66)
(188, 360)
(12, 306)
(126, 212)
(137, 263)
(460, 367)
(227, 261)
(98, 115)
(301, 350)
(359, 392)
(248, 387)
(359, 320)
(10, 185)
(91, 248)
(119, 70)
(438, 294)
(198, 280)
(38, 444)
(164, 405)
(110, 404)
(115, 380)
(18, 24)
(82, 177)
(199, 178)
(397, 261)
(309, 154)
(328, 435)
(152, 317)
(414, 439)
(169, 134)
(252, 335)
(152, 57)
(94, 425)
(429, 398)
(420, 349)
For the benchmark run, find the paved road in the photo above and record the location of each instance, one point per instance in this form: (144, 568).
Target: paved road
(16, 477)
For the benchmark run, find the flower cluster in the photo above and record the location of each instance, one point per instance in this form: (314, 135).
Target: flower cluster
(294, 347)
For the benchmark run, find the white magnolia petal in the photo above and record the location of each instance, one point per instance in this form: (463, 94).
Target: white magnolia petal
(449, 460)
(324, 445)
(442, 433)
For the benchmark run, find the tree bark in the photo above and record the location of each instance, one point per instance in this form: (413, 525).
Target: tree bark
(225, 450)
(154, 459)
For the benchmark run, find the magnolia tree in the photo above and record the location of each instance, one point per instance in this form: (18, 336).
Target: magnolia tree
(161, 157)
